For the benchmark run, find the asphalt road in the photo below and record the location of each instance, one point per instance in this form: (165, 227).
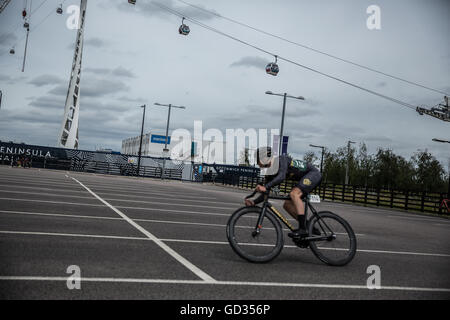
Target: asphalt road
(136, 238)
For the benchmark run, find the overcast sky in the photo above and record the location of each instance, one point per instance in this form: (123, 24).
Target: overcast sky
(134, 55)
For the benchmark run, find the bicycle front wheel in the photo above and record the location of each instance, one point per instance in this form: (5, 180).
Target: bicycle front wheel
(262, 246)
(340, 247)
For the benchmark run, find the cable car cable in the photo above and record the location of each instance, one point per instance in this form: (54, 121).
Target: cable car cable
(315, 50)
(405, 104)
(34, 28)
(21, 24)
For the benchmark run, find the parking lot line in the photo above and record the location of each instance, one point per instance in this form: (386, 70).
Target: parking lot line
(224, 283)
(115, 199)
(443, 255)
(135, 219)
(144, 194)
(121, 207)
(201, 274)
(75, 235)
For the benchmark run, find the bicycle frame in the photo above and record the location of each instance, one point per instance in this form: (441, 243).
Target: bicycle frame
(268, 206)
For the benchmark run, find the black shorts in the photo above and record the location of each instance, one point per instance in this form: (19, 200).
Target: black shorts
(309, 181)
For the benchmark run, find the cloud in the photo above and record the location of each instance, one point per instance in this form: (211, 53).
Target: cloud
(102, 87)
(48, 102)
(162, 8)
(134, 100)
(298, 120)
(45, 80)
(96, 42)
(97, 71)
(345, 131)
(122, 72)
(294, 111)
(7, 39)
(4, 77)
(256, 62)
(11, 80)
(94, 87)
(378, 139)
(36, 117)
(60, 90)
(119, 72)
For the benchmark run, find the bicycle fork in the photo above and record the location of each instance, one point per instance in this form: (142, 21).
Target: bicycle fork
(258, 226)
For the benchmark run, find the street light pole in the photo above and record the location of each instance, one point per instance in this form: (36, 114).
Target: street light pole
(167, 128)
(448, 190)
(280, 141)
(348, 161)
(170, 106)
(285, 96)
(140, 144)
(323, 151)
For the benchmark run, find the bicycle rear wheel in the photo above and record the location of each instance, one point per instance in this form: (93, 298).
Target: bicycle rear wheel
(255, 247)
(340, 248)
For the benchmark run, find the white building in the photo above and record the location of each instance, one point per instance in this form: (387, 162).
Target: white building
(153, 144)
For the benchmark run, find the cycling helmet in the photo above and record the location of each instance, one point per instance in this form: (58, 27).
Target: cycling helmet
(264, 156)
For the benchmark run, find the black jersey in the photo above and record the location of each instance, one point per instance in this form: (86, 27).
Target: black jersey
(289, 169)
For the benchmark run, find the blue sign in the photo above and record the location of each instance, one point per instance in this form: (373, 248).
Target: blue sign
(285, 145)
(159, 139)
(193, 149)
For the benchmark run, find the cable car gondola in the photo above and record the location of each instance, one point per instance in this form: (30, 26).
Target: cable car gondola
(184, 29)
(272, 68)
(59, 10)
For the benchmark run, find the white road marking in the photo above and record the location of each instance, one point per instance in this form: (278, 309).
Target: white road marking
(75, 235)
(38, 182)
(201, 274)
(211, 242)
(224, 283)
(62, 215)
(121, 207)
(54, 202)
(123, 200)
(144, 194)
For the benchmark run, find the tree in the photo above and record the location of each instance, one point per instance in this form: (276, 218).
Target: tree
(364, 167)
(429, 173)
(385, 169)
(334, 168)
(310, 157)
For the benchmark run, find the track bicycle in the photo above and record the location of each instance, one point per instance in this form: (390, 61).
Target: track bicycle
(255, 233)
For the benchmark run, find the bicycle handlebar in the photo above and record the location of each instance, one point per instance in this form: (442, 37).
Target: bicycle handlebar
(267, 193)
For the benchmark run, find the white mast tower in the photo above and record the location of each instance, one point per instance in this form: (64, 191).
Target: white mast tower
(68, 136)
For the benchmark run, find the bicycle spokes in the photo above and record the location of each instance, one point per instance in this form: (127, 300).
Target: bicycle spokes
(337, 245)
(252, 238)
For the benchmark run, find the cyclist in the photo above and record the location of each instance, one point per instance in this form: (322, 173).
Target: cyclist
(306, 174)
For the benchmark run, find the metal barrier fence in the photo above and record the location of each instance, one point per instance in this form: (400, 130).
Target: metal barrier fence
(101, 167)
